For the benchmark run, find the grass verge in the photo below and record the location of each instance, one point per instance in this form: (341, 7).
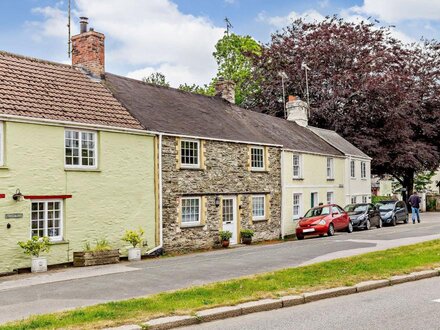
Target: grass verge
(329, 274)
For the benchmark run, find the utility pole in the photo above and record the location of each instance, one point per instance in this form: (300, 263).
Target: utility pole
(68, 29)
(283, 76)
(306, 68)
(228, 25)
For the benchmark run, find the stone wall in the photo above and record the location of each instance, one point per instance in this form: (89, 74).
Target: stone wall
(224, 170)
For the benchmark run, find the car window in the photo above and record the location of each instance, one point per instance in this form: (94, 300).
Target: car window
(317, 211)
(335, 210)
(386, 207)
(370, 207)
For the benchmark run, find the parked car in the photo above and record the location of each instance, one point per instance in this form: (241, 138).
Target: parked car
(393, 211)
(325, 219)
(364, 215)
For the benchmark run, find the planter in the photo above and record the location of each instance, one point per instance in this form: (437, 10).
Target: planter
(225, 243)
(134, 254)
(94, 258)
(246, 240)
(39, 265)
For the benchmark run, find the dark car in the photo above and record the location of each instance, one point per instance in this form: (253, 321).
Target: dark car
(392, 212)
(364, 215)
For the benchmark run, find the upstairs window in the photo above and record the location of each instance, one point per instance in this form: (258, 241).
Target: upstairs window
(259, 207)
(353, 200)
(80, 149)
(257, 158)
(330, 172)
(190, 153)
(363, 170)
(296, 166)
(353, 169)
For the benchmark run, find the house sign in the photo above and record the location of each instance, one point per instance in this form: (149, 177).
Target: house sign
(14, 216)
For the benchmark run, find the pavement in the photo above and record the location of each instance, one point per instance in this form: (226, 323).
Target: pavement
(28, 294)
(413, 305)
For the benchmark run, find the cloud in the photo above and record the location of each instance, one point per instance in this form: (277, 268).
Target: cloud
(398, 10)
(282, 21)
(324, 3)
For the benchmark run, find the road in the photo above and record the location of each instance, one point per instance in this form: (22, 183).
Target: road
(414, 305)
(24, 295)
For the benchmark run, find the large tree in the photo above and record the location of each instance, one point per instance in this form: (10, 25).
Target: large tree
(380, 94)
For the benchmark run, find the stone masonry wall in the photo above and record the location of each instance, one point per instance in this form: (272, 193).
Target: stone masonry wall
(225, 169)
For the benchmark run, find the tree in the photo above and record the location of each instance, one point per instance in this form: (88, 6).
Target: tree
(233, 56)
(207, 90)
(379, 94)
(157, 78)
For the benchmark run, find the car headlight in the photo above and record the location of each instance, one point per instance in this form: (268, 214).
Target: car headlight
(322, 222)
(389, 214)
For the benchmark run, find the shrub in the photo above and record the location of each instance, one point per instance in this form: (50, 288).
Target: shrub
(377, 199)
(135, 238)
(247, 233)
(225, 235)
(102, 245)
(35, 246)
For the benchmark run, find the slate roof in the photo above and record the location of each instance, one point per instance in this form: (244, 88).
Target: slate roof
(45, 90)
(339, 142)
(169, 110)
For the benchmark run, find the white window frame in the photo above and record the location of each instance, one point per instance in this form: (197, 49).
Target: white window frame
(184, 165)
(330, 168)
(298, 215)
(299, 176)
(364, 199)
(330, 194)
(2, 145)
(351, 200)
(315, 202)
(95, 149)
(45, 228)
(190, 223)
(352, 169)
(363, 170)
(263, 154)
(259, 217)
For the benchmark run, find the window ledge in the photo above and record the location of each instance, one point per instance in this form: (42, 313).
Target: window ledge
(198, 225)
(298, 179)
(4, 167)
(259, 220)
(259, 171)
(82, 170)
(352, 178)
(330, 179)
(58, 242)
(364, 179)
(191, 168)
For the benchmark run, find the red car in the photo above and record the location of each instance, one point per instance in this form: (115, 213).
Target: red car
(325, 219)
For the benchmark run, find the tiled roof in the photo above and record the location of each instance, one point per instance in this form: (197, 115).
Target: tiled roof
(46, 90)
(172, 111)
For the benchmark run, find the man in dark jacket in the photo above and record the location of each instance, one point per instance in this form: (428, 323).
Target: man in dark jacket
(415, 201)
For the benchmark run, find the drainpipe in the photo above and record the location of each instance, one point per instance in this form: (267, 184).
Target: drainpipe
(160, 198)
(283, 193)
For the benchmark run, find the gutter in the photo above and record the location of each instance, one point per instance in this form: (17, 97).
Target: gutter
(282, 194)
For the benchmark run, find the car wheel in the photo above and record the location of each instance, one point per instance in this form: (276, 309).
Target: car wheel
(299, 237)
(331, 230)
(394, 221)
(368, 225)
(350, 227)
(380, 224)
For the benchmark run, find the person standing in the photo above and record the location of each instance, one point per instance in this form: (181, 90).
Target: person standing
(415, 200)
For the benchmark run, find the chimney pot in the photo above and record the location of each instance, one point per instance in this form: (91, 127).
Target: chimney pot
(292, 98)
(83, 22)
(225, 89)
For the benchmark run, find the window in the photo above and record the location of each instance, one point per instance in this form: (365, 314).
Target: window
(190, 153)
(47, 219)
(296, 206)
(314, 199)
(364, 199)
(296, 166)
(80, 149)
(353, 199)
(329, 168)
(191, 210)
(258, 207)
(363, 170)
(335, 210)
(257, 158)
(353, 169)
(1, 144)
(330, 197)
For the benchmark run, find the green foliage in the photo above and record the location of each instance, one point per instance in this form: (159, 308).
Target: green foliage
(330, 274)
(377, 199)
(225, 235)
(135, 238)
(233, 55)
(431, 204)
(423, 179)
(100, 245)
(35, 246)
(207, 90)
(247, 233)
(157, 78)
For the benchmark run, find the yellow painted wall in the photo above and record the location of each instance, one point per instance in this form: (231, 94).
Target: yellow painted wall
(314, 179)
(118, 196)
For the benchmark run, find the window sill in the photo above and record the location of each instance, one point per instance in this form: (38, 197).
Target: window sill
(364, 179)
(82, 170)
(58, 242)
(298, 179)
(4, 167)
(191, 168)
(256, 170)
(197, 225)
(329, 179)
(260, 220)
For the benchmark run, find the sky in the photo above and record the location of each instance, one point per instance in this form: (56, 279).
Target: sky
(177, 37)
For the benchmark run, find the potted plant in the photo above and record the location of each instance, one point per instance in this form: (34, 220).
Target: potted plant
(135, 238)
(246, 236)
(101, 254)
(225, 236)
(34, 247)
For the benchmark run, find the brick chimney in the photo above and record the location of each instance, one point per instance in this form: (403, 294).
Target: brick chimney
(88, 50)
(297, 111)
(225, 89)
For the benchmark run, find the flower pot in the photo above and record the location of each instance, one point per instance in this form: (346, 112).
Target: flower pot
(225, 243)
(134, 254)
(39, 265)
(246, 240)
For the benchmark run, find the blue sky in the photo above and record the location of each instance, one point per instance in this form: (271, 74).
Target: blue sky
(177, 37)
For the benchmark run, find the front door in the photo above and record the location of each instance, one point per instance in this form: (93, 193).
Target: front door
(229, 217)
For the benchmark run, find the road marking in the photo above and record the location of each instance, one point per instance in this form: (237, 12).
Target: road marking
(436, 300)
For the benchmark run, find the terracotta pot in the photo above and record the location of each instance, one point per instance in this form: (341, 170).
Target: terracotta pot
(225, 243)
(246, 240)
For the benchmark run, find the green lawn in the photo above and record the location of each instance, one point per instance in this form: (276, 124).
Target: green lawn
(347, 271)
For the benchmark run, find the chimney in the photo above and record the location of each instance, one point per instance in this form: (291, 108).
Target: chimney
(88, 50)
(297, 111)
(225, 89)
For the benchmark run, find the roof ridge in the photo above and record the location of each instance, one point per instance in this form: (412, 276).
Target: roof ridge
(34, 59)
